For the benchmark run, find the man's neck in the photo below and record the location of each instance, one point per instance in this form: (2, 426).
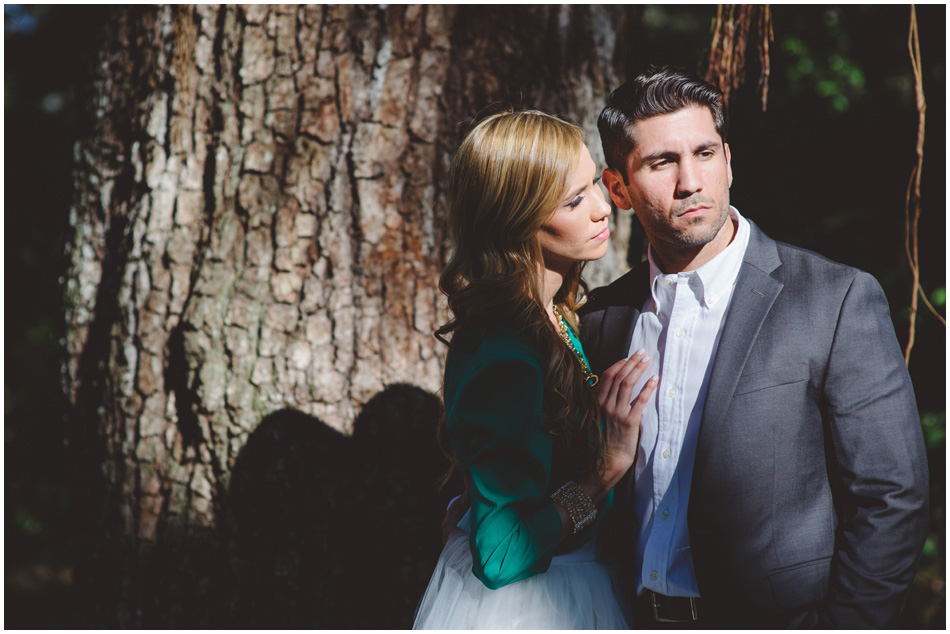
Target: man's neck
(671, 259)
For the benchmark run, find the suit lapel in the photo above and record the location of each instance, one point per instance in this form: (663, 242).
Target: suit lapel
(752, 299)
(620, 317)
(617, 332)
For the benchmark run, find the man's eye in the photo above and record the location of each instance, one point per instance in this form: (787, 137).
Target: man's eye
(660, 164)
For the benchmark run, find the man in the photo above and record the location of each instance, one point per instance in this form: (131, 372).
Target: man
(781, 477)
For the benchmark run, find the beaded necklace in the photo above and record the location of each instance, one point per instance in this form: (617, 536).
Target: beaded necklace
(589, 376)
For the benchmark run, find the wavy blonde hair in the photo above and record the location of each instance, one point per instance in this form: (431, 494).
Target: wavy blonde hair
(508, 177)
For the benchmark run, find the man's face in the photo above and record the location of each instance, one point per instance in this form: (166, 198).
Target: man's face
(678, 179)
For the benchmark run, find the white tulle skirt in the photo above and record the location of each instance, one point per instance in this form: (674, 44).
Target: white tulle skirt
(577, 592)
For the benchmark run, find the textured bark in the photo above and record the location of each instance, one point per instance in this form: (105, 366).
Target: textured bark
(258, 227)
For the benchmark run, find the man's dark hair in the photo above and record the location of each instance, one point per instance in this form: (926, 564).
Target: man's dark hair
(660, 90)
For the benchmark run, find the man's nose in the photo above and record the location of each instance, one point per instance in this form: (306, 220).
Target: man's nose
(688, 180)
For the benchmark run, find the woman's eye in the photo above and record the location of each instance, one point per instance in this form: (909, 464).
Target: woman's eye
(597, 180)
(574, 203)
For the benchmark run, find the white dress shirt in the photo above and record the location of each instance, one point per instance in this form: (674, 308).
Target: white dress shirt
(679, 327)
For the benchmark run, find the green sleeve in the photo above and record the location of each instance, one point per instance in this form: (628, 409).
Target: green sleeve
(496, 423)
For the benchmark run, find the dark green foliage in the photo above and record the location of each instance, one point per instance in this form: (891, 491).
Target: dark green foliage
(40, 82)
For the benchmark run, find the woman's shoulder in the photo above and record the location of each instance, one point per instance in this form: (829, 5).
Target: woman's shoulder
(496, 386)
(493, 359)
(496, 343)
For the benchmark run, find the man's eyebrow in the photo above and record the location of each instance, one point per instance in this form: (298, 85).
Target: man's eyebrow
(656, 155)
(708, 145)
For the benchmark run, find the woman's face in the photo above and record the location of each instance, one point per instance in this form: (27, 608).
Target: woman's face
(577, 230)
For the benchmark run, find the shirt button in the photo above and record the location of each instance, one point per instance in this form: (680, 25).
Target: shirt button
(667, 453)
(680, 333)
(665, 514)
(668, 282)
(671, 392)
(654, 575)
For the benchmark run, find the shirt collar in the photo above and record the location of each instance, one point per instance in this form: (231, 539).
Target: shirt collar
(716, 277)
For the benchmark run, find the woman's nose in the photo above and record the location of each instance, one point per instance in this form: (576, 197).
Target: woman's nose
(602, 208)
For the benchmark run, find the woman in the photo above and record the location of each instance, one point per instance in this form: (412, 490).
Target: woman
(539, 447)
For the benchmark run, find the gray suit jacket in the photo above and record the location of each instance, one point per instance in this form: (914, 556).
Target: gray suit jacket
(808, 503)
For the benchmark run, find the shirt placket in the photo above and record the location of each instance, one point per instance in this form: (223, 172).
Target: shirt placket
(672, 412)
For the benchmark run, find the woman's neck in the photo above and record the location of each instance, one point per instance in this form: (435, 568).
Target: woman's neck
(550, 285)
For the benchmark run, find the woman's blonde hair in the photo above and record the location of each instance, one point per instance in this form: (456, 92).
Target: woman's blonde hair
(508, 177)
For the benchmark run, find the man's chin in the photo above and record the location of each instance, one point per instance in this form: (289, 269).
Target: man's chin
(695, 239)
(700, 232)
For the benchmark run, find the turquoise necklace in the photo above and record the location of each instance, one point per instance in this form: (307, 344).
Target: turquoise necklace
(589, 376)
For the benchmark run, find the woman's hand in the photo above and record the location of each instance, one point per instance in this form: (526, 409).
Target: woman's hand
(455, 511)
(621, 428)
(621, 416)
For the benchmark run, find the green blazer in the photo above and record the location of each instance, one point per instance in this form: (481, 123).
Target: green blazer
(496, 425)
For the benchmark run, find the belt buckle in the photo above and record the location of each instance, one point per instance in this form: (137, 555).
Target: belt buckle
(663, 618)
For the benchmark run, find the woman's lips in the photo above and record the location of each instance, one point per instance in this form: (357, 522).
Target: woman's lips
(603, 235)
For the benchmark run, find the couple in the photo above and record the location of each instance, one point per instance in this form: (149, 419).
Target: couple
(741, 433)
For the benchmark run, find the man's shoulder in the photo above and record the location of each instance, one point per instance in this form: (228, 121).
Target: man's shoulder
(619, 292)
(800, 266)
(809, 268)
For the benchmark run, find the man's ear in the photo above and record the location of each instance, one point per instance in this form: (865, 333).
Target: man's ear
(613, 181)
(725, 147)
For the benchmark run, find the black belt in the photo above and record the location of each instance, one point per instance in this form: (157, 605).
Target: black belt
(664, 609)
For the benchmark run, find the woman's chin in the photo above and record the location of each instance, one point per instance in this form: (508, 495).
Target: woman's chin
(601, 251)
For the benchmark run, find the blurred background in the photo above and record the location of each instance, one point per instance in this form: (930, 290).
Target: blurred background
(825, 167)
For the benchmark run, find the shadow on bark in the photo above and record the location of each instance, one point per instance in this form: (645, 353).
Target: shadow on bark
(337, 532)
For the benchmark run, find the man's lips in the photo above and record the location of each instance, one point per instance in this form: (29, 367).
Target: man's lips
(694, 211)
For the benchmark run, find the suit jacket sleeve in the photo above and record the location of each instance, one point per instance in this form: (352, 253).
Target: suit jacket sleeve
(880, 464)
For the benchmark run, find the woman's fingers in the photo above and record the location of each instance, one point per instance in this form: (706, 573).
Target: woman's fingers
(622, 412)
(615, 391)
(607, 386)
(640, 403)
(611, 379)
(628, 381)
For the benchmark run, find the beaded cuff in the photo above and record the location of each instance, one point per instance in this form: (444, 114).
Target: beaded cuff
(578, 504)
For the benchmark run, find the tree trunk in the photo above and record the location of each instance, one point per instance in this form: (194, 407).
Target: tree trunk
(258, 234)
